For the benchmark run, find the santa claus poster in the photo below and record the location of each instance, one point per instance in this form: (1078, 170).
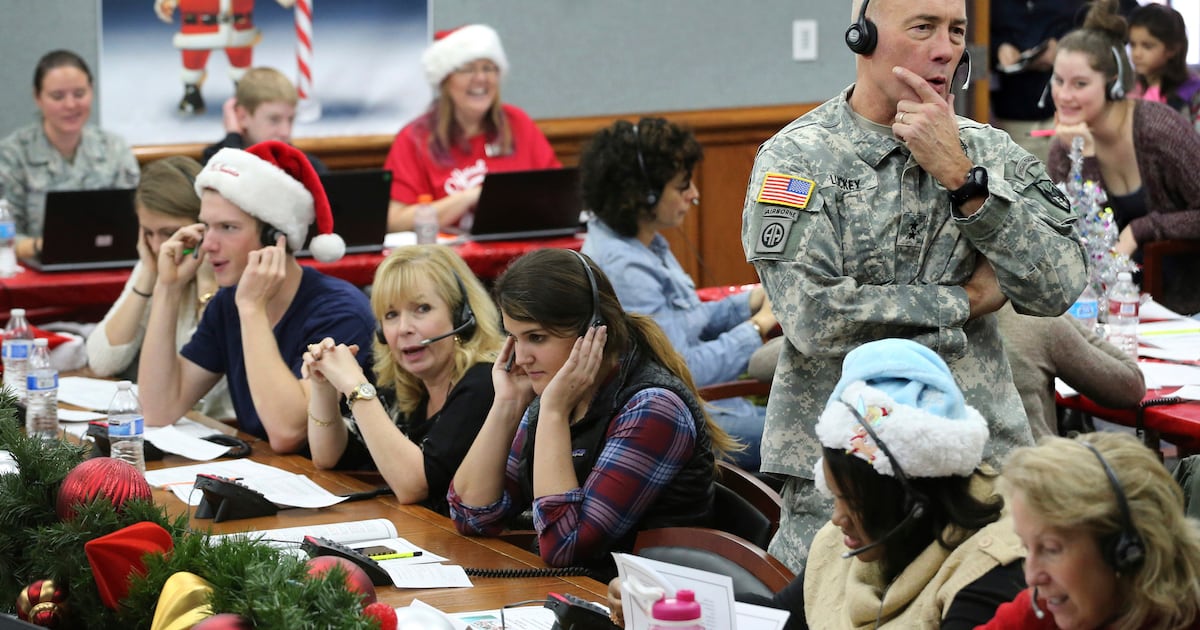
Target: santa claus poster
(168, 66)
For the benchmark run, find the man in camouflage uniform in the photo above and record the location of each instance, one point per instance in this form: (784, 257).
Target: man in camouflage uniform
(850, 222)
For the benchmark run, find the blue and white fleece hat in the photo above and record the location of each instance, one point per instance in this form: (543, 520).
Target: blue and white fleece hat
(910, 398)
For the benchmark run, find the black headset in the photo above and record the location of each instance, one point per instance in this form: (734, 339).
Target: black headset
(1124, 550)
(464, 319)
(596, 320)
(269, 234)
(651, 194)
(1114, 91)
(862, 36)
(914, 502)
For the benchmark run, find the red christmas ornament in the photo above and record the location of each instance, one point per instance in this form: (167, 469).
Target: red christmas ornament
(383, 613)
(113, 479)
(357, 580)
(42, 603)
(224, 621)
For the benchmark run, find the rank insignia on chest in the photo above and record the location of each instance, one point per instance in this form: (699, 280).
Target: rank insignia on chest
(786, 190)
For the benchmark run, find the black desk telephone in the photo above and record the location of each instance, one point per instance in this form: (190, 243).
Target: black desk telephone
(226, 500)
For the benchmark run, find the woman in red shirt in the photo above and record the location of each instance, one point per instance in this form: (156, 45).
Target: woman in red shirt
(466, 132)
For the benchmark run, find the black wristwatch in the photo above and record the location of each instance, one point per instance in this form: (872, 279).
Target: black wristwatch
(976, 186)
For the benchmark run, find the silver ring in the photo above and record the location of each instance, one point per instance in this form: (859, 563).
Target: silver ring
(900, 117)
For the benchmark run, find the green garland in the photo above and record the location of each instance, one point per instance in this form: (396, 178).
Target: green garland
(265, 585)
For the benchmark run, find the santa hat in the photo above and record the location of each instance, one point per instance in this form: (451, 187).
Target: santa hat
(456, 47)
(908, 396)
(274, 182)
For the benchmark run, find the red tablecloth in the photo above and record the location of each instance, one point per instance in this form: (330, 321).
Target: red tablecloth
(1177, 423)
(87, 295)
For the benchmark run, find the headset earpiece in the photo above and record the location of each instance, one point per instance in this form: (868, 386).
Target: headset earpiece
(596, 320)
(464, 319)
(862, 36)
(1124, 551)
(379, 336)
(651, 195)
(1116, 89)
(269, 234)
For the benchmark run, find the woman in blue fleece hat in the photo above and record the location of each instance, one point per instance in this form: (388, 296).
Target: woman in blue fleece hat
(918, 537)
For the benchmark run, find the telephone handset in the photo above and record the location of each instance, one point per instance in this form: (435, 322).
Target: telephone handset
(576, 613)
(316, 546)
(225, 499)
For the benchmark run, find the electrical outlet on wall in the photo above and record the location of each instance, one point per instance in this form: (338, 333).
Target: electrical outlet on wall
(804, 40)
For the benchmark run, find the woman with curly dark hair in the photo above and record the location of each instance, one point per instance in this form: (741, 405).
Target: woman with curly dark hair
(637, 181)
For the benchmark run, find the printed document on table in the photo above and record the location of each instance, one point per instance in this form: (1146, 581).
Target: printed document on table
(89, 393)
(1177, 335)
(174, 439)
(533, 617)
(347, 533)
(428, 576)
(278, 486)
(1169, 374)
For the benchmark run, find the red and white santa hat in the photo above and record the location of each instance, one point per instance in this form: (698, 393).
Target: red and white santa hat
(453, 48)
(274, 182)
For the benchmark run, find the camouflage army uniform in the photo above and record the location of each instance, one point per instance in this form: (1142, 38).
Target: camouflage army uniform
(873, 251)
(30, 167)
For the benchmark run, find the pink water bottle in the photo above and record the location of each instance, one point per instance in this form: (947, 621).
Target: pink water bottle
(681, 612)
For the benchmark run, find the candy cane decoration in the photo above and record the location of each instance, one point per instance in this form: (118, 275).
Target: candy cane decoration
(309, 109)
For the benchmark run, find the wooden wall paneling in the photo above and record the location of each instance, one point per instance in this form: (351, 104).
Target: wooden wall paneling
(730, 138)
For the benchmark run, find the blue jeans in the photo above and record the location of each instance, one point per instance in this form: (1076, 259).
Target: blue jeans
(744, 421)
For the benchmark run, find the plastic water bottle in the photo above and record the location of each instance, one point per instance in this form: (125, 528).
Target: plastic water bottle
(1086, 308)
(126, 428)
(41, 383)
(18, 345)
(1123, 302)
(8, 239)
(425, 221)
(681, 612)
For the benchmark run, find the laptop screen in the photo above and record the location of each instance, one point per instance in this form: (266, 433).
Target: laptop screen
(358, 201)
(88, 229)
(528, 204)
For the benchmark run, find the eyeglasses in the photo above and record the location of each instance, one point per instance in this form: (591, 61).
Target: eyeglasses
(471, 70)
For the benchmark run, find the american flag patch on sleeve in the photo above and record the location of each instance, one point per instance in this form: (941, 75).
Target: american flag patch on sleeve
(786, 190)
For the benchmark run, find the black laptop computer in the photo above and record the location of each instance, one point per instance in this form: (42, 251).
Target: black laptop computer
(358, 201)
(527, 204)
(88, 229)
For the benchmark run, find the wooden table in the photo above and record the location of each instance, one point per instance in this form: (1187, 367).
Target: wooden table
(416, 524)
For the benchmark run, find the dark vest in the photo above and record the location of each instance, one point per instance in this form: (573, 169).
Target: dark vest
(688, 500)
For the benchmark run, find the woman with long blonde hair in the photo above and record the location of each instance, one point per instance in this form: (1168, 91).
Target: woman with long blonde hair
(437, 337)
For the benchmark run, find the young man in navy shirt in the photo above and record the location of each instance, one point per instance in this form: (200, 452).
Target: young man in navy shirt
(255, 209)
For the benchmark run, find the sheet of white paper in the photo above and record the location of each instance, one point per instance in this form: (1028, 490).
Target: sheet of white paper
(1169, 374)
(518, 618)
(1189, 392)
(179, 480)
(173, 440)
(714, 592)
(77, 429)
(1179, 335)
(419, 605)
(89, 393)
(429, 576)
(1168, 354)
(1064, 390)
(752, 617)
(400, 545)
(288, 490)
(1151, 311)
(75, 415)
(346, 532)
(392, 240)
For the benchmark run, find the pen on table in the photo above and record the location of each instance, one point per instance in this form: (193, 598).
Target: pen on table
(367, 494)
(394, 556)
(1042, 133)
